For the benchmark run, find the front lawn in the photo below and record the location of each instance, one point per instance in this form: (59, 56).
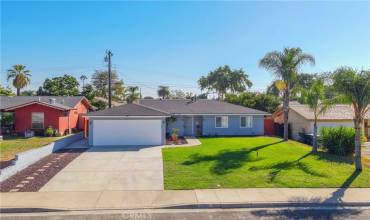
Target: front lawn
(11, 146)
(241, 162)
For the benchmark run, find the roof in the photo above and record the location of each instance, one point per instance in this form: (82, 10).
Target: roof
(201, 106)
(61, 102)
(336, 112)
(129, 110)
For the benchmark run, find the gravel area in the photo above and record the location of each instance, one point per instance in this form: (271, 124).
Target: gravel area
(35, 176)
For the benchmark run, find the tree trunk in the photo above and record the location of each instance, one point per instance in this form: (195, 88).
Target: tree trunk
(18, 91)
(286, 112)
(358, 127)
(314, 144)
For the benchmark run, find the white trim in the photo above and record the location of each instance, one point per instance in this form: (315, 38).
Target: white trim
(36, 102)
(119, 116)
(192, 125)
(227, 119)
(246, 124)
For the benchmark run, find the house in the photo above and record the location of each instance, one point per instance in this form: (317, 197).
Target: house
(63, 113)
(301, 118)
(149, 121)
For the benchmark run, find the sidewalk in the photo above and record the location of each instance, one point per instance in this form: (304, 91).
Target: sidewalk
(208, 198)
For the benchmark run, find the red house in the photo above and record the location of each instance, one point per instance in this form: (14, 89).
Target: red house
(63, 113)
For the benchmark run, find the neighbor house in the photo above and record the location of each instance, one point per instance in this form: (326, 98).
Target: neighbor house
(149, 121)
(38, 112)
(301, 118)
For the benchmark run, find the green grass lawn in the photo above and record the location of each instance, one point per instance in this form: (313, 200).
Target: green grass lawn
(10, 146)
(241, 162)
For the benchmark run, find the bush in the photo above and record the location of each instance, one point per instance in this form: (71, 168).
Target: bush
(57, 133)
(338, 140)
(49, 131)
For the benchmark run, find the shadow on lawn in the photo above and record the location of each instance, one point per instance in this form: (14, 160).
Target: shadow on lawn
(227, 160)
(287, 165)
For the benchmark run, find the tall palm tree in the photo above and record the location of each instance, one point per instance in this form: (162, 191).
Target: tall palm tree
(163, 92)
(285, 65)
(314, 97)
(355, 87)
(83, 78)
(20, 76)
(132, 94)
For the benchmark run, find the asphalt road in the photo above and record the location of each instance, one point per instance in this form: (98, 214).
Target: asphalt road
(198, 214)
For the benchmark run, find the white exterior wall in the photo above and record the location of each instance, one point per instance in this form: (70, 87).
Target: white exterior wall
(298, 124)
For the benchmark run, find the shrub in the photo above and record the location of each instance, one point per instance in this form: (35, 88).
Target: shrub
(49, 131)
(57, 133)
(175, 131)
(338, 140)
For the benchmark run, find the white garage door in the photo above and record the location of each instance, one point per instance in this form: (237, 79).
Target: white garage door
(127, 132)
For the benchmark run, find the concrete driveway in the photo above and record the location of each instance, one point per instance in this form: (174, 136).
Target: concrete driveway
(111, 168)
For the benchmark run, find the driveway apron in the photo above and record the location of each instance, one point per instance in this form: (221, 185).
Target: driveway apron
(111, 168)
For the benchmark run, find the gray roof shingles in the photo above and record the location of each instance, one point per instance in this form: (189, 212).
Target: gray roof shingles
(64, 102)
(129, 110)
(201, 106)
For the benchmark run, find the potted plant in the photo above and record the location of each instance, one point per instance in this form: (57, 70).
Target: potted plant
(174, 133)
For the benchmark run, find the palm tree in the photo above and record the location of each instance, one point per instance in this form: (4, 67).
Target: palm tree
(132, 94)
(355, 88)
(20, 77)
(285, 65)
(83, 78)
(314, 96)
(163, 92)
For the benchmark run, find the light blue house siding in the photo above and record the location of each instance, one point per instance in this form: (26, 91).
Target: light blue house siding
(187, 126)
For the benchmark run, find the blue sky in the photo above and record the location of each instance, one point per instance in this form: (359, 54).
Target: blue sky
(174, 43)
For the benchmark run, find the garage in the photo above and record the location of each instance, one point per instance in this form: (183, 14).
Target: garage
(127, 125)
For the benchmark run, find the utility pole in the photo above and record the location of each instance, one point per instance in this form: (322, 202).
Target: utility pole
(108, 57)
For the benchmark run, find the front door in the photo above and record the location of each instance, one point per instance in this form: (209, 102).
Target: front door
(198, 123)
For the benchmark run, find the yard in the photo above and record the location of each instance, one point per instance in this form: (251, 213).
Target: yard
(239, 162)
(11, 146)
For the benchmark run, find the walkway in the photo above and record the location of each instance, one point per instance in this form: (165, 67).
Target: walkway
(224, 198)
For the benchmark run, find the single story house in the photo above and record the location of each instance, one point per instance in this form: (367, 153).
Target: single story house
(63, 113)
(301, 118)
(147, 122)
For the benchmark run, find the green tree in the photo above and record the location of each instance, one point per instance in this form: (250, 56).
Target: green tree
(28, 93)
(6, 91)
(177, 94)
(354, 86)
(99, 104)
(88, 92)
(163, 92)
(224, 79)
(148, 97)
(260, 101)
(20, 76)
(83, 78)
(100, 84)
(65, 85)
(285, 65)
(132, 94)
(314, 97)
(40, 91)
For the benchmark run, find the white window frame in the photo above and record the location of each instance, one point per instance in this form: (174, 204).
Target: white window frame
(247, 125)
(43, 120)
(227, 121)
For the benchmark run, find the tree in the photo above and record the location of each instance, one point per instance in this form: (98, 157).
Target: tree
(177, 94)
(99, 104)
(148, 97)
(260, 101)
(224, 79)
(132, 94)
(20, 76)
(65, 85)
(83, 78)
(285, 65)
(28, 93)
(88, 92)
(6, 91)
(314, 97)
(163, 92)
(40, 91)
(100, 84)
(354, 86)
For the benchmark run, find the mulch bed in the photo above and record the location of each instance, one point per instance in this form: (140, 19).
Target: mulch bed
(5, 163)
(179, 141)
(35, 176)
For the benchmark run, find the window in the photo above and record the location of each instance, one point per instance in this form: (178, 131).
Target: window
(222, 121)
(246, 121)
(37, 120)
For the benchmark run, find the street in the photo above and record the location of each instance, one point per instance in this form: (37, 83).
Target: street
(184, 214)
